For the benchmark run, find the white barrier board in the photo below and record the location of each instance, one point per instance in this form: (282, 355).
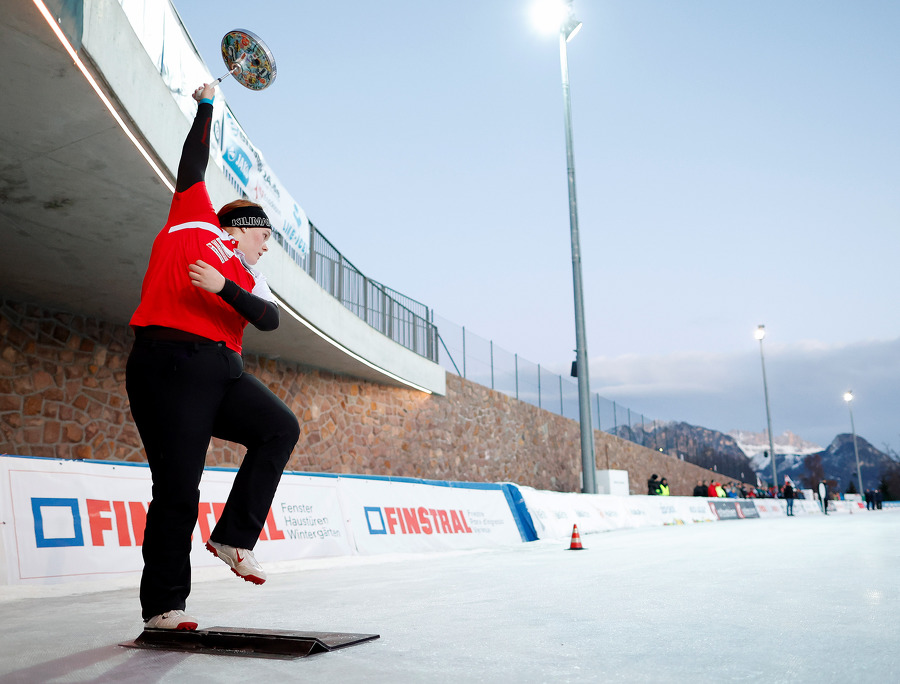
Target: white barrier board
(555, 513)
(75, 520)
(391, 516)
(67, 520)
(771, 508)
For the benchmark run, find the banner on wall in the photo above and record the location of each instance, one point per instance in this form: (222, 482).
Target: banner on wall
(771, 508)
(725, 509)
(166, 41)
(71, 520)
(401, 516)
(247, 170)
(555, 513)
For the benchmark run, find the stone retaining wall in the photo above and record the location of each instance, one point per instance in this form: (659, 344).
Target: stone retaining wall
(62, 395)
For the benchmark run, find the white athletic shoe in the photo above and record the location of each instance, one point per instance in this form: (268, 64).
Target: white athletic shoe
(172, 619)
(242, 561)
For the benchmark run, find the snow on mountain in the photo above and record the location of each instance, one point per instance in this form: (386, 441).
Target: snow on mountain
(789, 448)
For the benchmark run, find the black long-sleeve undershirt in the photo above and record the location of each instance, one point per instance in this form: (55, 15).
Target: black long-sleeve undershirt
(262, 314)
(195, 153)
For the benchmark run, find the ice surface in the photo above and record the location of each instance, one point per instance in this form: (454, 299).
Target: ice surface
(774, 600)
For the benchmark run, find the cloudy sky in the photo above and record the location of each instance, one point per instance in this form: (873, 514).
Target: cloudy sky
(737, 163)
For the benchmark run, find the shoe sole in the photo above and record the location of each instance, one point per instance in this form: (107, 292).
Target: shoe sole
(180, 627)
(253, 579)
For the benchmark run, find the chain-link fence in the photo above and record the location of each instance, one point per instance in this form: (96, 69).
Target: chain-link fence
(416, 327)
(480, 360)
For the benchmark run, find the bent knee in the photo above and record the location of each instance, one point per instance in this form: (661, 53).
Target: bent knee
(288, 428)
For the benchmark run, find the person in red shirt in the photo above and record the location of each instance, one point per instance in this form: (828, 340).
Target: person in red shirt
(185, 381)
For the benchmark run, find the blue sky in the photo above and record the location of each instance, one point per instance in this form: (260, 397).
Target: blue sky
(737, 163)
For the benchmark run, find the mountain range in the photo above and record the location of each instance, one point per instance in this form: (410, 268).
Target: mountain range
(806, 463)
(745, 455)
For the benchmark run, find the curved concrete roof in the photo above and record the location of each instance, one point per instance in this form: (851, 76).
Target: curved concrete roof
(80, 206)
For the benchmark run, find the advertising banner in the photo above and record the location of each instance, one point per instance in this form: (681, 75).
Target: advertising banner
(843, 506)
(746, 509)
(405, 516)
(806, 507)
(725, 509)
(248, 171)
(771, 508)
(556, 513)
(644, 511)
(694, 510)
(71, 520)
(611, 509)
(76, 520)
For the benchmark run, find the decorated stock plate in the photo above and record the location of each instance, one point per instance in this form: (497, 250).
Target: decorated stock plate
(247, 51)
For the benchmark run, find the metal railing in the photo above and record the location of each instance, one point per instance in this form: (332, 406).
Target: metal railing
(404, 320)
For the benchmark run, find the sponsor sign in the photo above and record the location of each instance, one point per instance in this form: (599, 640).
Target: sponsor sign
(725, 509)
(76, 520)
(843, 507)
(248, 171)
(611, 509)
(746, 509)
(698, 510)
(772, 508)
(403, 516)
(555, 513)
(644, 511)
(806, 507)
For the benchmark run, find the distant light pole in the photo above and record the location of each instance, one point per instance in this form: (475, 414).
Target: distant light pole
(848, 397)
(760, 334)
(559, 15)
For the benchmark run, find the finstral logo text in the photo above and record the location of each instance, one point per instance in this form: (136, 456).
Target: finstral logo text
(60, 522)
(419, 520)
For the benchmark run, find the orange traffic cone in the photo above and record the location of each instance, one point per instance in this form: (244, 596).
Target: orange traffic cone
(576, 540)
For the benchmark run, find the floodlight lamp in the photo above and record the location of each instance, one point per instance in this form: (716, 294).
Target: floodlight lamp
(760, 332)
(549, 15)
(848, 396)
(571, 27)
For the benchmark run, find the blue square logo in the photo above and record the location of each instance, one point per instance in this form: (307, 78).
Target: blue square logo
(57, 522)
(375, 520)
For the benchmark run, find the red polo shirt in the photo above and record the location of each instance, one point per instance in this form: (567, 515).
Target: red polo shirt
(169, 299)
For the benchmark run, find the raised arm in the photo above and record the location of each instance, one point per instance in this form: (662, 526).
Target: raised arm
(195, 153)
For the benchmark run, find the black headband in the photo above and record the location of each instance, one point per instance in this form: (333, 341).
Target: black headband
(245, 217)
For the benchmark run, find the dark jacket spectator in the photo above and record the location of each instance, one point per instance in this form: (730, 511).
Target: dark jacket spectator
(788, 494)
(700, 489)
(653, 485)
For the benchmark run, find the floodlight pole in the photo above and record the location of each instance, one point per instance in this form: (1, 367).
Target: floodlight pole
(848, 397)
(760, 335)
(588, 464)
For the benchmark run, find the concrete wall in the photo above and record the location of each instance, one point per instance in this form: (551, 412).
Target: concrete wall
(62, 395)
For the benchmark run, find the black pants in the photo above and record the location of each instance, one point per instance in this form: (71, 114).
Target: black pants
(181, 394)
